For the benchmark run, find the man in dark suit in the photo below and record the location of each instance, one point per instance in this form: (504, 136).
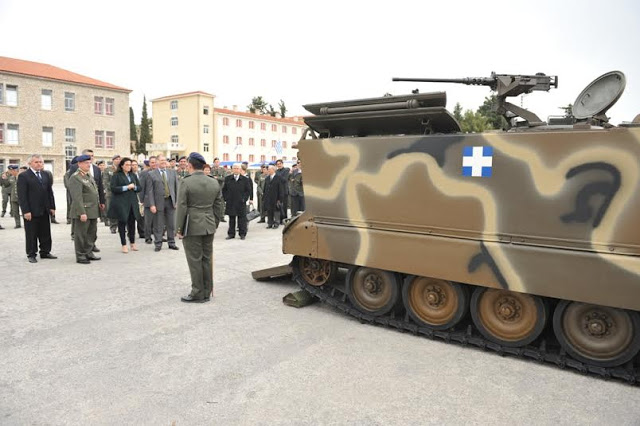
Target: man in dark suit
(272, 197)
(37, 204)
(236, 191)
(283, 173)
(160, 194)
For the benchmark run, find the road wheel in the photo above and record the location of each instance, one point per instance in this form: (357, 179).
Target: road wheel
(434, 303)
(508, 318)
(315, 272)
(597, 335)
(373, 291)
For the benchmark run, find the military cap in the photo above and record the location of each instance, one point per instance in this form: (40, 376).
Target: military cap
(74, 160)
(146, 162)
(81, 158)
(115, 156)
(13, 167)
(100, 162)
(23, 167)
(182, 158)
(197, 157)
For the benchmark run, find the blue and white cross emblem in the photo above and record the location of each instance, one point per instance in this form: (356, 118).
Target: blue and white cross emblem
(477, 161)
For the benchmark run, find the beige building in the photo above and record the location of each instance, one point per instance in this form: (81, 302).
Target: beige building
(58, 113)
(183, 124)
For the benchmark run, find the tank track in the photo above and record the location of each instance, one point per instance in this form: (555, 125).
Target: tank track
(547, 351)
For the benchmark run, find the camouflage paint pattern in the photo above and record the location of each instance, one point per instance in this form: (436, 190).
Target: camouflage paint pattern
(558, 216)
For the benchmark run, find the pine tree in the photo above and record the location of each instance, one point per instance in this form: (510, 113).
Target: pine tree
(133, 135)
(145, 136)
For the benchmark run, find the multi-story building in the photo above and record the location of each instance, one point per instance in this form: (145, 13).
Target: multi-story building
(256, 138)
(189, 122)
(57, 113)
(183, 124)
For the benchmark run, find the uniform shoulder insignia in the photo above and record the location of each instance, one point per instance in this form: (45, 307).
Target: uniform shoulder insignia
(77, 172)
(186, 176)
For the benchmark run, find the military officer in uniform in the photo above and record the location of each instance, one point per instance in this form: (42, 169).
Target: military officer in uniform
(15, 205)
(6, 190)
(182, 168)
(85, 210)
(296, 189)
(259, 179)
(197, 217)
(220, 174)
(106, 184)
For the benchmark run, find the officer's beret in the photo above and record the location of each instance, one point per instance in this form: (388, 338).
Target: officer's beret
(13, 167)
(81, 158)
(115, 156)
(100, 162)
(197, 157)
(146, 162)
(74, 160)
(182, 158)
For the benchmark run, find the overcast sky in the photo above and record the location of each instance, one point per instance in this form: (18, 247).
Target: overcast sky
(307, 52)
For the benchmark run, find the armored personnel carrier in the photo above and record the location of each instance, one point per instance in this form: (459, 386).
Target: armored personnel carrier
(525, 240)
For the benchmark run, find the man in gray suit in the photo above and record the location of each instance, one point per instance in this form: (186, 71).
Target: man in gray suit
(149, 218)
(160, 194)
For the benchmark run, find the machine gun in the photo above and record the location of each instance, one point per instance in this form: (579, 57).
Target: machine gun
(504, 85)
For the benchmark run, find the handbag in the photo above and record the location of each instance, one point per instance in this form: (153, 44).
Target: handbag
(252, 214)
(141, 209)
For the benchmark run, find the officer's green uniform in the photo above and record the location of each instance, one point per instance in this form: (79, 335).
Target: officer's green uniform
(259, 179)
(182, 174)
(6, 191)
(84, 200)
(15, 205)
(106, 184)
(219, 173)
(197, 217)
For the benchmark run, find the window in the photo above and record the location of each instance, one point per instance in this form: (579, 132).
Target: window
(274, 128)
(294, 130)
(238, 122)
(98, 104)
(273, 144)
(11, 96)
(205, 129)
(284, 129)
(252, 142)
(251, 158)
(110, 140)
(1, 99)
(225, 121)
(109, 104)
(263, 158)
(47, 136)
(45, 99)
(263, 126)
(174, 105)
(174, 139)
(205, 110)
(1, 132)
(69, 153)
(225, 157)
(238, 157)
(225, 139)
(284, 144)
(70, 135)
(69, 101)
(99, 139)
(263, 142)
(239, 140)
(205, 147)
(251, 124)
(13, 134)
(273, 158)
(174, 121)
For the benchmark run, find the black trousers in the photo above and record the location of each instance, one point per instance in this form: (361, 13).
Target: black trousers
(284, 207)
(297, 204)
(130, 226)
(242, 225)
(38, 229)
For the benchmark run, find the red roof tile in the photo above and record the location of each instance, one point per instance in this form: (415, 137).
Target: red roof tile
(36, 69)
(182, 95)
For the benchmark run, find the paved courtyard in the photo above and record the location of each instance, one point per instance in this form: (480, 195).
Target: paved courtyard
(111, 343)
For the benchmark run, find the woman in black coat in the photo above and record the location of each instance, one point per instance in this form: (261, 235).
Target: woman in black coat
(124, 203)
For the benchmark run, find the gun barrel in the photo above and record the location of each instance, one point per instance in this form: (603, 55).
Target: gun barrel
(478, 81)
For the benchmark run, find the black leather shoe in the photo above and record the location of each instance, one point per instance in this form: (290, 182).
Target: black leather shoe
(95, 249)
(3, 213)
(83, 261)
(190, 299)
(164, 240)
(229, 237)
(275, 227)
(48, 256)
(223, 220)
(93, 258)
(148, 241)
(54, 221)
(269, 226)
(242, 238)
(157, 249)
(68, 221)
(32, 260)
(261, 221)
(173, 247)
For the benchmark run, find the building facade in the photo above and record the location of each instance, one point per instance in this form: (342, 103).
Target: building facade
(182, 124)
(58, 113)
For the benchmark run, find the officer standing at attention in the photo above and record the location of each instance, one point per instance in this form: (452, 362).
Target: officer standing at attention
(197, 217)
(15, 205)
(6, 191)
(220, 174)
(85, 210)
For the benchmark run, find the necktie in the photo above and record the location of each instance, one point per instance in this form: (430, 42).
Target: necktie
(166, 186)
(39, 176)
(237, 177)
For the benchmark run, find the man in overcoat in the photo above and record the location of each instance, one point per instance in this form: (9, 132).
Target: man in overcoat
(273, 197)
(237, 190)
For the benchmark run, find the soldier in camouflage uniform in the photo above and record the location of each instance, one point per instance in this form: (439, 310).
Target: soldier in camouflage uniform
(6, 191)
(296, 189)
(259, 179)
(106, 184)
(13, 186)
(219, 173)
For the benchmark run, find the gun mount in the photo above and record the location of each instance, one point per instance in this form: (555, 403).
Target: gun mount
(504, 85)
